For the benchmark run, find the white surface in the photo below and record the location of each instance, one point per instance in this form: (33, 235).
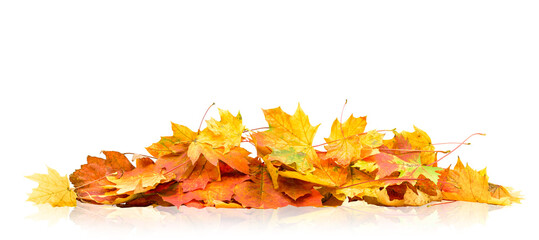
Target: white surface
(81, 77)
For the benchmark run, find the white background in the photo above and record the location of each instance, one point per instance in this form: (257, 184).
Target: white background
(78, 77)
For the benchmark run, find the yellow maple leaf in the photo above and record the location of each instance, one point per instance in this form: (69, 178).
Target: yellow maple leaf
(466, 184)
(343, 142)
(290, 138)
(224, 133)
(53, 189)
(214, 142)
(180, 134)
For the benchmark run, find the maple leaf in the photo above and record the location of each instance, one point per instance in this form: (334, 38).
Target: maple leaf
(348, 142)
(180, 134)
(415, 168)
(219, 141)
(224, 133)
(273, 172)
(177, 163)
(290, 138)
(259, 191)
(217, 138)
(294, 188)
(90, 179)
(462, 183)
(144, 177)
(202, 173)
(313, 199)
(52, 189)
(384, 162)
(505, 194)
(215, 193)
(343, 143)
(236, 158)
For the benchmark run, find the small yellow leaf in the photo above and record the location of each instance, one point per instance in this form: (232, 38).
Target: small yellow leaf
(224, 133)
(53, 189)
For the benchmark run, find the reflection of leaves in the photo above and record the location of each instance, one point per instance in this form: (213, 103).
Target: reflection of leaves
(464, 214)
(46, 212)
(353, 216)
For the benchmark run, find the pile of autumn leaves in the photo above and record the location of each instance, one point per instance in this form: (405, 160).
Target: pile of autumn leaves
(209, 168)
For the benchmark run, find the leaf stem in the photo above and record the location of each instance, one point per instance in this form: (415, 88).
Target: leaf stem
(203, 117)
(450, 143)
(254, 129)
(101, 178)
(342, 111)
(462, 143)
(414, 150)
(441, 203)
(174, 168)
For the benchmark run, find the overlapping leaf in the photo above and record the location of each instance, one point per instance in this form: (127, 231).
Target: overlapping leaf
(211, 168)
(462, 183)
(290, 137)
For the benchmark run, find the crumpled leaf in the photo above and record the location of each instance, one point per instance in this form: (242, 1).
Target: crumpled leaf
(90, 179)
(224, 133)
(462, 183)
(506, 194)
(144, 177)
(52, 189)
(407, 197)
